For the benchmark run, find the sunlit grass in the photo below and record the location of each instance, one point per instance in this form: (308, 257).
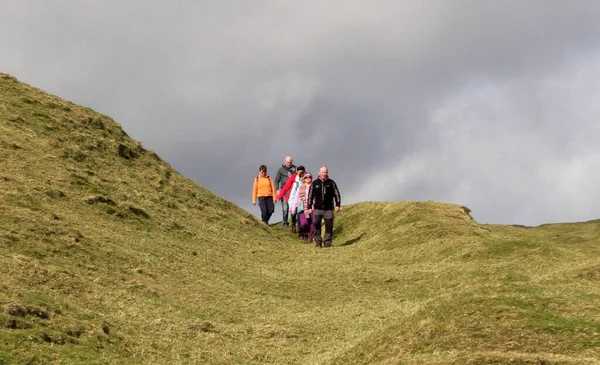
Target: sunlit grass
(109, 256)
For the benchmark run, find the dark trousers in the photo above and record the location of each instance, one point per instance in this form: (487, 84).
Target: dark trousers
(266, 208)
(319, 216)
(296, 221)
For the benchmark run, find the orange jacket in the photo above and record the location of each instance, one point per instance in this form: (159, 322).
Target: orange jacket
(263, 186)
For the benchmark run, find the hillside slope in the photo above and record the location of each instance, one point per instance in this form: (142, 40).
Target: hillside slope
(109, 256)
(100, 239)
(489, 294)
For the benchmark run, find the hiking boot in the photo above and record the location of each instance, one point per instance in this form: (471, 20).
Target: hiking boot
(293, 228)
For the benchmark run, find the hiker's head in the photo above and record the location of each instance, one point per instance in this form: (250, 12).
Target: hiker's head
(262, 170)
(323, 173)
(288, 161)
(301, 171)
(307, 178)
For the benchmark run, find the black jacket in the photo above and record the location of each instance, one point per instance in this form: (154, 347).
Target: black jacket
(324, 195)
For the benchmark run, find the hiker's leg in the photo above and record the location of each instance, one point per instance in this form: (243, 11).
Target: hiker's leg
(285, 211)
(304, 225)
(294, 217)
(317, 224)
(270, 207)
(262, 203)
(328, 215)
(311, 226)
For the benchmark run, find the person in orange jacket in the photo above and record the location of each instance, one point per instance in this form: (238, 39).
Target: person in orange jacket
(264, 190)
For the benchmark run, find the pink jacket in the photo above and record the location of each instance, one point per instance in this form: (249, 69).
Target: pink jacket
(297, 204)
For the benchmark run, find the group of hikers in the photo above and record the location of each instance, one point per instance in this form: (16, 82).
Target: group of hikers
(305, 200)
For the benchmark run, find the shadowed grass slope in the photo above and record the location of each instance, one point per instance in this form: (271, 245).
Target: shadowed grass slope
(109, 256)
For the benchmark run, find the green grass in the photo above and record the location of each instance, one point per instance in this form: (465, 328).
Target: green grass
(109, 256)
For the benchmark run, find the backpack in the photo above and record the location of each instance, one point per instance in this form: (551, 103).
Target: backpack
(271, 181)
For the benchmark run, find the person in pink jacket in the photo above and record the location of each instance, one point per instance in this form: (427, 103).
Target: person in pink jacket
(299, 204)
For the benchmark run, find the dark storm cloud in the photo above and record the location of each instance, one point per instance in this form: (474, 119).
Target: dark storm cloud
(488, 104)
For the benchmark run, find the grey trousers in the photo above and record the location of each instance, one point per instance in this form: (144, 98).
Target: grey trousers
(285, 210)
(328, 216)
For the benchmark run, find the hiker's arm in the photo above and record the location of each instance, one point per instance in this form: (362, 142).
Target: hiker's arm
(285, 189)
(311, 197)
(273, 191)
(336, 195)
(277, 179)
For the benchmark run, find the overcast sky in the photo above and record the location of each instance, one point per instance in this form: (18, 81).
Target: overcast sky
(491, 104)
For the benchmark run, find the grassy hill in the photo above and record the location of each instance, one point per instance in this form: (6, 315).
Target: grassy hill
(109, 256)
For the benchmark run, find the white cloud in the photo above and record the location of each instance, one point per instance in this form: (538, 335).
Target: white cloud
(519, 151)
(513, 151)
(487, 104)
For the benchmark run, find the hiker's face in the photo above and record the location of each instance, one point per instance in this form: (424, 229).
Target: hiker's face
(288, 162)
(263, 173)
(323, 173)
(307, 179)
